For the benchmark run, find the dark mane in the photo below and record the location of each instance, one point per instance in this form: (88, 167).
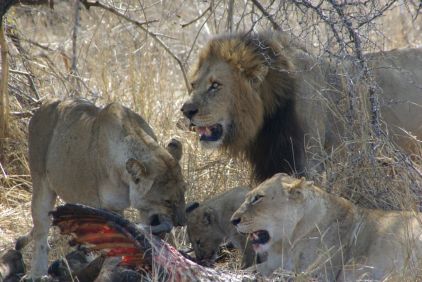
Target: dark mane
(279, 146)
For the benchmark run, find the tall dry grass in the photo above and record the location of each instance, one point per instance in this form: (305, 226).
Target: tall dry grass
(117, 61)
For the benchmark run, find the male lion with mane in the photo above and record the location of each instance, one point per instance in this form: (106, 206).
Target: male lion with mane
(266, 98)
(102, 157)
(305, 229)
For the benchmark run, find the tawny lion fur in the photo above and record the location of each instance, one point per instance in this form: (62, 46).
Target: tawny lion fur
(103, 157)
(328, 237)
(271, 97)
(208, 226)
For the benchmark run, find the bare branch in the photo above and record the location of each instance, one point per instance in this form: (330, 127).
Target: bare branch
(373, 96)
(6, 4)
(378, 13)
(275, 25)
(4, 95)
(229, 24)
(325, 18)
(13, 35)
(29, 76)
(112, 10)
(154, 36)
(74, 69)
(197, 18)
(26, 114)
(196, 38)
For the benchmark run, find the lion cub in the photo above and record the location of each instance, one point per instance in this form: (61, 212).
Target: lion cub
(208, 225)
(305, 229)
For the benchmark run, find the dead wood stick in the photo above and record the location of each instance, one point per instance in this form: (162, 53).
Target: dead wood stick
(4, 95)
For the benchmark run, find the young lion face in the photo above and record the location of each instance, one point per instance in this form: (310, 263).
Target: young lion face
(203, 231)
(271, 211)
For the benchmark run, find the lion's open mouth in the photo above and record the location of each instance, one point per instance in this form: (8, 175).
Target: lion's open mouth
(209, 133)
(260, 237)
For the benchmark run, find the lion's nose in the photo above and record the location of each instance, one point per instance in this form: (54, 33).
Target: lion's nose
(189, 110)
(235, 221)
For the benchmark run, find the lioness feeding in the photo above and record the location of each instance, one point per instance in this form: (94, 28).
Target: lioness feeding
(266, 98)
(208, 226)
(107, 158)
(305, 229)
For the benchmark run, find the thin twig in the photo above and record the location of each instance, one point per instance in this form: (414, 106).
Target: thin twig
(195, 39)
(275, 25)
(20, 72)
(46, 48)
(26, 114)
(89, 4)
(197, 18)
(154, 36)
(325, 18)
(13, 35)
(378, 13)
(6, 4)
(373, 95)
(29, 77)
(199, 31)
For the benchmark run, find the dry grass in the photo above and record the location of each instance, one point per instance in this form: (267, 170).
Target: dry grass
(119, 62)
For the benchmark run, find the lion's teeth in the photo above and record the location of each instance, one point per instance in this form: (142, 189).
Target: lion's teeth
(207, 131)
(200, 130)
(203, 130)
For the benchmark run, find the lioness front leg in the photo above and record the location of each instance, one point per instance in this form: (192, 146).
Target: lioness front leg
(251, 268)
(42, 202)
(270, 265)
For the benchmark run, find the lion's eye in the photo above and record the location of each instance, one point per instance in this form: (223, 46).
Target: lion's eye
(257, 199)
(214, 86)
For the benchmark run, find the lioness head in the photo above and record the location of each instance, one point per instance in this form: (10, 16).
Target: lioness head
(203, 231)
(233, 90)
(272, 210)
(157, 188)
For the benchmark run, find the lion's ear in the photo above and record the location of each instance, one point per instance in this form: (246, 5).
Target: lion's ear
(175, 148)
(258, 74)
(295, 194)
(192, 206)
(295, 189)
(136, 169)
(294, 184)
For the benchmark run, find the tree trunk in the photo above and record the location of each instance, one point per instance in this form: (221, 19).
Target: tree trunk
(230, 11)
(74, 70)
(4, 96)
